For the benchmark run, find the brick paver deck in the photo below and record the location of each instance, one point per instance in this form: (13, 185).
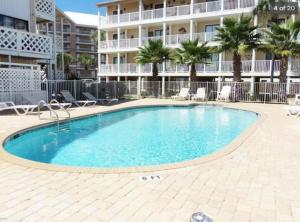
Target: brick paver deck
(260, 181)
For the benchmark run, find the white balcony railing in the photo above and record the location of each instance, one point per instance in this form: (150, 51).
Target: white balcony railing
(198, 9)
(178, 10)
(204, 36)
(207, 7)
(152, 14)
(145, 40)
(129, 43)
(261, 66)
(177, 39)
(45, 9)
(19, 43)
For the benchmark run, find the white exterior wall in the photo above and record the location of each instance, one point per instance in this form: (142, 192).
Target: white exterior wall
(16, 8)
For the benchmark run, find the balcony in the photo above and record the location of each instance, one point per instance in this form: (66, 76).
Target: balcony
(45, 9)
(181, 11)
(262, 67)
(26, 44)
(124, 44)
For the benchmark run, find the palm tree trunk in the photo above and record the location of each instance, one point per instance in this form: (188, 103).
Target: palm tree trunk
(154, 72)
(237, 67)
(283, 68)
(193, 73)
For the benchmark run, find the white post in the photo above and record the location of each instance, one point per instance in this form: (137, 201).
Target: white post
(119, 36)
(220, 62)
(119, 60)
(192, 7)
(288, 85)
(163, 86)
(219, 84)
(62, 39)
(140, 35)
(165, 9)
(99, 43)
(191, 29)
(118, 78)
(252, 86)
(139, 86)
(254, 50)
(107, 79)
(140, 9)
(119, 10)
(164, 32)
(222, 5)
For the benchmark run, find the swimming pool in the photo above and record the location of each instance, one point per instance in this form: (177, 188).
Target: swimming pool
(133, 137)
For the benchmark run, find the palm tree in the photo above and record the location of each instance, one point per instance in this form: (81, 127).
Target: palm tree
(95, 37)
(68, 60)
(155, 53)
(281, 40)
(237, 36)
(87, 60)
(263, 9)
(191, 54)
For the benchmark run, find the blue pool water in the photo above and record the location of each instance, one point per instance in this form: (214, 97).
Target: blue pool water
(134, 137)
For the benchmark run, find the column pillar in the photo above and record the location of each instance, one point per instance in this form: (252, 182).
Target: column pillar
(118, 79)
(191, 29)
(220, 62)
(139, 86)
(107, 79)
(164, 32)
(62, 39)
(140, 35)
(140, 9)
(119, 36)
(254, 50)
(165, 9)
(192, 7)
(119, 60)
(119, 10)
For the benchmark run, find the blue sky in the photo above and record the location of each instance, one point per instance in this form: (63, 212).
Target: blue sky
(85, 6)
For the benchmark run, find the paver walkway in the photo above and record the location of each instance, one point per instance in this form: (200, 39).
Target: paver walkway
(260, 181)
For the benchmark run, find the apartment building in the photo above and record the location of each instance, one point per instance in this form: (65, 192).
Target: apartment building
(76, 32)
(20, 43)
(130, 24)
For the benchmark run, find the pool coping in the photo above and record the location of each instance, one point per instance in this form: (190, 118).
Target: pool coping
(225, 151)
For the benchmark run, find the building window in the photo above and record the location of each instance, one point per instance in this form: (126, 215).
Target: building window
(211, 28)
(13, 23)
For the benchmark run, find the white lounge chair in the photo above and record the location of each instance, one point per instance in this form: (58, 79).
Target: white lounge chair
(184, 94)
(224, 95)
(53, 104)
(25, 109)
(200, 95)
(293, 110)
(101, 101)
(70, 99)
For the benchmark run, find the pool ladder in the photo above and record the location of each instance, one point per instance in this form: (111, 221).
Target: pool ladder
(53, 113)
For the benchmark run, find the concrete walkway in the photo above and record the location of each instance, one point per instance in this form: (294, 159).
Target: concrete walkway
(260, 181)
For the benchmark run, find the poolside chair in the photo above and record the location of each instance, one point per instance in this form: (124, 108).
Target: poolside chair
(224, 95)
(297, 99)
(101, 101)
(80, 103)
(200, 95)
(184, 94)
(293, 110)
(25, 109)
(53, 103)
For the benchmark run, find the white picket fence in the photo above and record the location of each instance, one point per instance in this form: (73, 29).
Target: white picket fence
(263, 92)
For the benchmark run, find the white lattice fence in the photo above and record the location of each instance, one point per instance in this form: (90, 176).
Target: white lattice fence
(14, 42)
(45, 9)
(8, 39)
(16, 77)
